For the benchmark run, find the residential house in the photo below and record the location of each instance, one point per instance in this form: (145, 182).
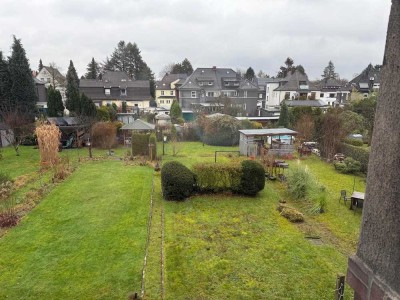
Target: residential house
(368, 81)
(333, 92)
(167, 89)
(269, 85)
(116, 87)
(202, 88)
(52, 76)
(295, 86)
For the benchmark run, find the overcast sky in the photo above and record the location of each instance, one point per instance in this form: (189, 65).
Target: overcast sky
(223, 33)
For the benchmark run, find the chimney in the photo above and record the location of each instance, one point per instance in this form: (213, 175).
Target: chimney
(214, 68)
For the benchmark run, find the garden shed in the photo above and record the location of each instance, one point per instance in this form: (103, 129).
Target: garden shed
(276, 141)
(137, 126)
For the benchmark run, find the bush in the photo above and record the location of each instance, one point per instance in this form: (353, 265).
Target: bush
(212, 177)
(140, 144)
(299, 183)
(177, 181)
(252, 178)
(103, 135)
(220, 130)
(354, 142)
(357, 153)
(191, 132)
(348, 166)
(290, 213)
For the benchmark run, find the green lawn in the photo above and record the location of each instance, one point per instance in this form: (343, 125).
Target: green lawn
(225, 246)
(85, 240)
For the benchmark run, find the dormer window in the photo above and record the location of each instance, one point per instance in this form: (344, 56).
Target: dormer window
(201, 83)
(210, 83)
(107, 92)
(123, 80)
(123, 92)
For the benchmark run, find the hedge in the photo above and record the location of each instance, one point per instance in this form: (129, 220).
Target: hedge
(177, 181)
(140, 144)
(357, 153)
(212, 177)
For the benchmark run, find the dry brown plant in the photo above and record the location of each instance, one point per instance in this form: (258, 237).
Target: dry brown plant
(48, 137)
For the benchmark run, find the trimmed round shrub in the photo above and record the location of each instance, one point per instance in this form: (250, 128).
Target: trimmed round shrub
(253, 178)
(177, 181)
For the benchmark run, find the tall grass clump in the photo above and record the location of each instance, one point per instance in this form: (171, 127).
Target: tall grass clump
(303, 186)
(48, 137)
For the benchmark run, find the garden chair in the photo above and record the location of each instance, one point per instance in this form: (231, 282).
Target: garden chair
(343, 195)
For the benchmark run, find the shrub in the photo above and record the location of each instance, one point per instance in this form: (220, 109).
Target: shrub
(348, 166)
(358, 153)
(290, 213)
(252, 178)
(104, 134)
(191, 132)
(299, 183)
(354, 142)
(212, 177)
(220, 130)
(140, 144)
(177, 181)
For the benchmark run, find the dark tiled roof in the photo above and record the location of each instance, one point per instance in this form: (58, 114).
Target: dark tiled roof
(108, 84)
(292, 82)
(368, 73)
(208, 74)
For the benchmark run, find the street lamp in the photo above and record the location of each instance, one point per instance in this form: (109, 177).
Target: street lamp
(163, 144)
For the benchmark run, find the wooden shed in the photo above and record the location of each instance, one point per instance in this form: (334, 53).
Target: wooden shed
(276, 141)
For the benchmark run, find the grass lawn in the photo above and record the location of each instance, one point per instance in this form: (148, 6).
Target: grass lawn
(224, 246)
(85, 240)
(342, 222)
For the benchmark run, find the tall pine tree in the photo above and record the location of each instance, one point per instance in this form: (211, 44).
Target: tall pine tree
(88, 108)
(72, 92)
(284, 117)
(5, 84)
(250, 74)
(92, 69)
(55, 107)
(329, 71)
(23, 94)
(40, 67)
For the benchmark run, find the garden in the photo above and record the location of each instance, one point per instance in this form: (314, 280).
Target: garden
(86, 236)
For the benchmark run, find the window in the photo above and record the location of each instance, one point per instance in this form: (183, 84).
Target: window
(123, 92)
(161, 101)
(48, 79)
(235, 93)
(171, 93)
(193, 94)
(136, 105)
(210, 94)
(168, 101)
(245, 94)
(210, 83)
(162, 93)
(267, 88)
(201, 83)
(321, 95)
(260, 96)
(267, 98)
(107, 91)
(331, 95)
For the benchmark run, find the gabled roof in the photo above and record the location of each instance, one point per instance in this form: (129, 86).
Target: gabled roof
(292, 82)
(57, 75)
(114, 79)
(369, 75)
(37, 81)
(138, 125)
(208, 74)
(247, 85)
(168, 79)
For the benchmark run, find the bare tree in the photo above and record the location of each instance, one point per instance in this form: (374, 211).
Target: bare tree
(305, 127)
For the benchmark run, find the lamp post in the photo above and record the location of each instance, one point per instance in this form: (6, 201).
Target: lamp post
(163, 144)
(89, 144)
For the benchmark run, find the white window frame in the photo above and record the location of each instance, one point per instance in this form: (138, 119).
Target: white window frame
(245, 94)
(123, 93)
(210, 83)
(171, 93)
(193, 94)
(107, 92)
(162, 93)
